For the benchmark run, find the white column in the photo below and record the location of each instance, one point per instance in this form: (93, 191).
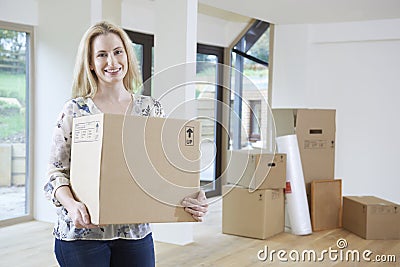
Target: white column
(175, 56)
(60, 27)
(175, 45)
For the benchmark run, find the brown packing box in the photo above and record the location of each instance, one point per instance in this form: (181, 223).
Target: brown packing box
(315, 130)
(259, 214)
(134, 169)
(371, 217)
(326, 204)
(256, 170)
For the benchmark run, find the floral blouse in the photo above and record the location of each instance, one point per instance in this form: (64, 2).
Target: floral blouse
(58, 170)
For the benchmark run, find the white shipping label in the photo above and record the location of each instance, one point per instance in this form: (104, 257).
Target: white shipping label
(276, 194)
(315, 144)
(86, 131)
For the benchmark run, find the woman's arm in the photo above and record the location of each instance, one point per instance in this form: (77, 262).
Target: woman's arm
(60, 154)
(58, 186)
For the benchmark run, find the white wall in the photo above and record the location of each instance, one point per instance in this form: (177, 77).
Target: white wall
(290, 63)
(216, 31)
(11, 11)
(139, 15)
(212, 31)
(354, 68)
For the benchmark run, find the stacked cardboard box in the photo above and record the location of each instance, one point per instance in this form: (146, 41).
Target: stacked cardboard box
(366, 216)
(315, 130)
(253, 201)
(255, 169)
(258, 214)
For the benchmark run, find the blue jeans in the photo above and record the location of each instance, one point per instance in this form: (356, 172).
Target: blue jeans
(105, 253)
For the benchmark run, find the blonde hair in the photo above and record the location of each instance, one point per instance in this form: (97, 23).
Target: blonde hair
(85, 81)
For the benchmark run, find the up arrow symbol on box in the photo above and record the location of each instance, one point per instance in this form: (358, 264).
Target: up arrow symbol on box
(189, 136)
(189, 131)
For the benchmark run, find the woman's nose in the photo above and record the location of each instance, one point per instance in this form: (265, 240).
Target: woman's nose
(110, 59)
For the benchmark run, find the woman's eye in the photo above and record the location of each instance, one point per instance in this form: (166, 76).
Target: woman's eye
(102, 55)
(117, 52)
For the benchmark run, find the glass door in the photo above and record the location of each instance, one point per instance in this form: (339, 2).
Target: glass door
(209, 97)
(14, 123)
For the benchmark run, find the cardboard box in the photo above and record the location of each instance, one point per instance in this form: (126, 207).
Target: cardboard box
(131, 169)
(315, 130)
(326, 204)
(259, 214)
(371, 218)
(256, 170)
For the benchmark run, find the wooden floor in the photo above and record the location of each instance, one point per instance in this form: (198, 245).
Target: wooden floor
(31, 244)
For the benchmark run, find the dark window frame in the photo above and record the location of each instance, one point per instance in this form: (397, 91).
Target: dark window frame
(147, 41)
(219, 53)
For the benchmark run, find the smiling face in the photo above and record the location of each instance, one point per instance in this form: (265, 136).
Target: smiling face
(109, 60)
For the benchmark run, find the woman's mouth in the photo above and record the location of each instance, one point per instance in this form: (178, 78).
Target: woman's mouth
(112, 71)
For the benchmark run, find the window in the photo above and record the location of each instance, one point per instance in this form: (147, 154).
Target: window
(15, 61)
(209, 97)
(249, 83)
(143, 44)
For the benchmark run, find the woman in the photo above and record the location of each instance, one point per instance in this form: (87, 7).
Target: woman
(105, 78)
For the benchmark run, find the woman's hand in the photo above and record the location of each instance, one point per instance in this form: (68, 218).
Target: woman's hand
(77, 211)
(79, 215)
(197, 207)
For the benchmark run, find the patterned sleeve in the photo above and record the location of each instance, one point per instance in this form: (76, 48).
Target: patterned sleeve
(158, 110)
(60, 154)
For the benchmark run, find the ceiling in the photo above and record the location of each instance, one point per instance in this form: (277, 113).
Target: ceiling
(302, 11)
